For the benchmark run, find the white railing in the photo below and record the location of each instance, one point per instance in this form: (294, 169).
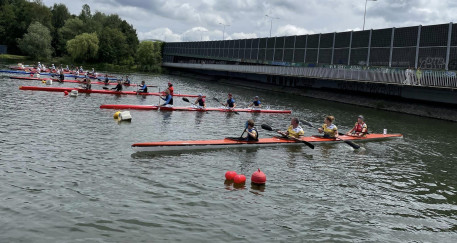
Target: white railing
(423, 78)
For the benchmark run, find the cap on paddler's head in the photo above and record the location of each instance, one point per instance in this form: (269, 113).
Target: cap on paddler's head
(230, 94)
(360, 116)
(200, 95)
(256, 97)
(169, 84)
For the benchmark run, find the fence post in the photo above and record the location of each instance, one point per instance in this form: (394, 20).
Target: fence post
(258, 49)
(274, 51)
(293, 52)
(306, 47)
(448, 49)
(391, 46)
(350, 48)
(333, 47)
(369, 48)
(283, 49)
(419, 28)
(318, 48)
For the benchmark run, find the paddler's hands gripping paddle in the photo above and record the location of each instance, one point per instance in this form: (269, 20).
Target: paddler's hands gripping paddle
(266, 127)
(216, 99)
(352, 144)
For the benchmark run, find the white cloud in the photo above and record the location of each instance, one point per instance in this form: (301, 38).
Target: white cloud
(289, 29)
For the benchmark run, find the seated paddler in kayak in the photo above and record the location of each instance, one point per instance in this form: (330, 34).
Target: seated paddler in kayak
(251, 132)
(61, 76)
(256, 103)
(328, 128)
(118, 86)
(200, 102)
(106, 79)
(143, 87)
(360, 128)
(230, 103)
(168, 99)
(87, 84)
(294, 130)
(127, 80)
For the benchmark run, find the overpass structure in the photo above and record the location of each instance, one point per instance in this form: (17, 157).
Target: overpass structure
(416, 62)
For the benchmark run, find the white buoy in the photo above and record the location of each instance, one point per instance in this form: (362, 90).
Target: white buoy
(125, 116)
(49, 82)
(74, 93)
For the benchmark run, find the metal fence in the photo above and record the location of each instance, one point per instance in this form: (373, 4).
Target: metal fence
(383, 75)
(431, 47)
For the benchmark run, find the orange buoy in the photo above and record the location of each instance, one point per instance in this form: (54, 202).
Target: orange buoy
(65, 92)
(258, 177)
(229, 175)
(239, 179)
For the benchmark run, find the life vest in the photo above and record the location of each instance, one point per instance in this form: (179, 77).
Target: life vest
(231, 102)
(201, 102)
(251, 138)
(256, 102)
(330, 131)
(359, 127)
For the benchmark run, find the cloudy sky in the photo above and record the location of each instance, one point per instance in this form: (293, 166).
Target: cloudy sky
(194, 20)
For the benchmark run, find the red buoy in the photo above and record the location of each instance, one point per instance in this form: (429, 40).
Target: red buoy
(239, 179)
(258, 177)
(65, 92)
(229, 175)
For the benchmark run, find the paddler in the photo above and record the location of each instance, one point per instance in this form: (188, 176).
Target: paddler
(61, 76)
(200, 101)
(230, 102)
(170, 88)
(88, 84)
(143, 87)
(328, 128)
(294, 129)
(251, 131)
(118, 86)
(360, 128)
(168, 99)
(106, 79)
(127, 80)
(256, 103)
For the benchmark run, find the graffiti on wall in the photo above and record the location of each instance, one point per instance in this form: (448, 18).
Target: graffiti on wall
(372, 88)
(432, 63)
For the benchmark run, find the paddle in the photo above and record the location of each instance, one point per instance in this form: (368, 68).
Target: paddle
(216, 99)
(352, 144)
(266, 127)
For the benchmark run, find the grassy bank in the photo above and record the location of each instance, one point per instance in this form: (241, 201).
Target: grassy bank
(9, 57)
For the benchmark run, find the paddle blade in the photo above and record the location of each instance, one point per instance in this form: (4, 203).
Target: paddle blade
(309, 144)
(266, 127)
(105, 87)
(355, 146)
(307, 123)
(216, 99)
(185, 99)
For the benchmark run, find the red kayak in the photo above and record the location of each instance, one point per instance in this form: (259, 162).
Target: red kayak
(230, 142)
(165, 108)
(69, 89)
(73, 81)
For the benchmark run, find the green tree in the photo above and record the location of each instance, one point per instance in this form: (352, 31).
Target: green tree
(83, 47)
(59, 15)
(36, 42)
(113, 46)
(69, 30)
(149, 54)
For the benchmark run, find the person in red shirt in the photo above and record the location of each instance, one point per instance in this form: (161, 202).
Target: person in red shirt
(170, 88)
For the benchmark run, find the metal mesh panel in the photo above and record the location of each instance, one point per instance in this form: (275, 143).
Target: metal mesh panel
(434, 35)
(248, 44)
(342, 39)
(404, 57)
(359, 56)
(325, 56)
(269, 54)
(271, 42)
(299, 55)
(313, 41)
(340, 56)
(379, 57)
(311, 56)
(326, 41)
(279, 42)
(406, 37)
(453, 59)
(288, 54)
(255, 43)
(278, 55)
(263, 42)
(301, 41)
(454, 35)
(432, 58)
(289, 42)
(242, 44)
(254, 53)
(381, 38)
(261, 54)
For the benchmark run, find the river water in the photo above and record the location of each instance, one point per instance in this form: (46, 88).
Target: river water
(68, 173)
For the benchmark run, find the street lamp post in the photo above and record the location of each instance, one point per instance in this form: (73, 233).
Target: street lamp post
(223, 32)
(271, 21)
(365, 13)
(201, 34)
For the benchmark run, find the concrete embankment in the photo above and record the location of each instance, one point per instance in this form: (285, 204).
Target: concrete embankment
(432, 110)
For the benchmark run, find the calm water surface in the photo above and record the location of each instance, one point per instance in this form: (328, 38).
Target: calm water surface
(68, 173)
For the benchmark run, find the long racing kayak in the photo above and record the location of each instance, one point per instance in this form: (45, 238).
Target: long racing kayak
(72, 81)
(69, 89)
(263, 142)
(166, 108)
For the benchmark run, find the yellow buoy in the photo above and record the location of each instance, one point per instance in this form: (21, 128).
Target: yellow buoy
(116, 115)
(43, 81)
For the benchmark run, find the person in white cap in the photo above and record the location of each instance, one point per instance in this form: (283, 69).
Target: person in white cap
(200, 101)
(360, 128)
(256, 102)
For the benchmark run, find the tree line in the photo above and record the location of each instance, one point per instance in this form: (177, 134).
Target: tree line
(41, 32)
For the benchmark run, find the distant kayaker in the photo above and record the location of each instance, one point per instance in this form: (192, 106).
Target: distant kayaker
(61, 76)
(143, 87)
(251, 132)
(360, 128)
(294, 129)
(118, 86)
(256, 103)
(88, 84)
(170, 88)
(168, 99)
(328, 128)
(127, 80)
(106, 79)
(230, 102)
(200, 101)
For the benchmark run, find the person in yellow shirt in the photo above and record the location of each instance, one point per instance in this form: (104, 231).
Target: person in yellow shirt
(328, 128)
(294, 130)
